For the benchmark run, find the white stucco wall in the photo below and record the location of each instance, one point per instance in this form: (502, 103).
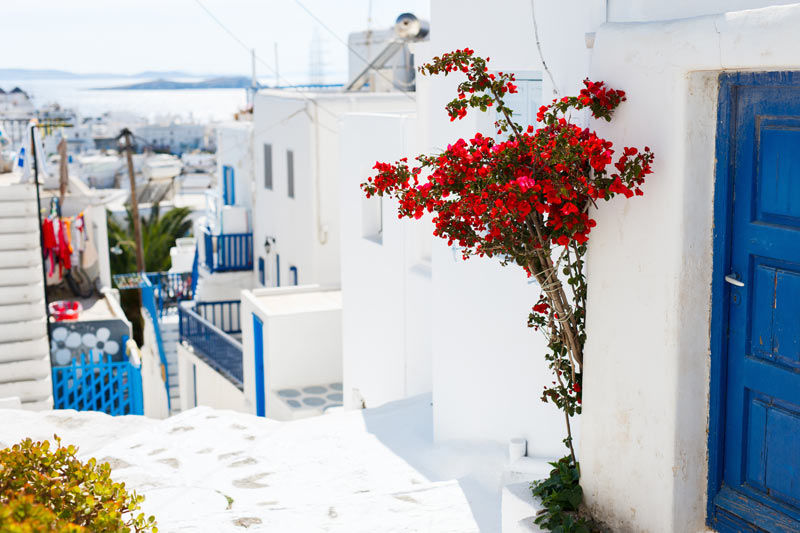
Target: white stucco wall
(235, 149)
(154, 394)
(211, 389)
(649, 266)
(386, 279)
(302, 338)
(305, 227)
(488, 369)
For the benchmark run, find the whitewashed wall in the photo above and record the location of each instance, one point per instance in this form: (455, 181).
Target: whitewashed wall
(488, 369)
(235, 149)
(154, 394)
(386, 277)
(646, 381)
(302, 339)
(306, 227)
(211, 388)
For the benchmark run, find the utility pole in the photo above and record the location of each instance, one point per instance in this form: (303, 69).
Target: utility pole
(277, 76)
(137, 230)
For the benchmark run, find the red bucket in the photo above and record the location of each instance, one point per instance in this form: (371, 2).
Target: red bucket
(65, 310)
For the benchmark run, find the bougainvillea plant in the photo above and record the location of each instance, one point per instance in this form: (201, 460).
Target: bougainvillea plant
(524, 198)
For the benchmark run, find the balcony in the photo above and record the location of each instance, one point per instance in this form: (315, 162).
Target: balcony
(212, 329)
(227, 252)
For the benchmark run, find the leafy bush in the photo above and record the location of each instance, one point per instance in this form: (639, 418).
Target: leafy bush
(49, 489)
(561, 496)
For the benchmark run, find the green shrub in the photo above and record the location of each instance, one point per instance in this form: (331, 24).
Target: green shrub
(49, 489)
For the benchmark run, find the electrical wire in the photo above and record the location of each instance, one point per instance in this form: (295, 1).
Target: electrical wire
(260, 60)
(352, 50)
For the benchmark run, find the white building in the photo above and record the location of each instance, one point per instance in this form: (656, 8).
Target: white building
(175, 137)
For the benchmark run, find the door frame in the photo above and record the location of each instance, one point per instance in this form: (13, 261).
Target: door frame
(722, 245)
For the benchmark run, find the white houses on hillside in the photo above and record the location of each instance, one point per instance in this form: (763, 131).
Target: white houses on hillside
(688, 421)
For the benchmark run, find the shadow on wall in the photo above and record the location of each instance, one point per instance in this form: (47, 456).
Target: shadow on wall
(477, 466)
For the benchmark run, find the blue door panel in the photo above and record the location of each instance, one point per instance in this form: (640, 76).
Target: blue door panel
(754, 457)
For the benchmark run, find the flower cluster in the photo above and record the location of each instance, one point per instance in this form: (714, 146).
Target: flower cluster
(525, 198)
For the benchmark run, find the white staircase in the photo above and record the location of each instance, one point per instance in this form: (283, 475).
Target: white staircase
(170, 336)
(24, 350)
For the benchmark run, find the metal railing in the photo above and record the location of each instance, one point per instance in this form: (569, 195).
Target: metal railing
(208, 327)
(96, 383)
(171, 288)
(227, 252)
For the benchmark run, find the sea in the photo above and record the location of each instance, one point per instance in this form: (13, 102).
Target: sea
(199, 105)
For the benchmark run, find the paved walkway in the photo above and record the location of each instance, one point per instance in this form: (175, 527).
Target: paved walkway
(208, 470)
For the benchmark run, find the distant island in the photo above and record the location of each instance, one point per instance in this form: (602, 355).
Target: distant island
(232, 82)
(51, 74)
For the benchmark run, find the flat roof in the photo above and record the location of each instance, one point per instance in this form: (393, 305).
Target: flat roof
(293, 300)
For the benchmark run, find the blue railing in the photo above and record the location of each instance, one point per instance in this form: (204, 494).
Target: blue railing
(228, 252)
(207, 327)
(149, 303)
(171, 288)
(96, 383)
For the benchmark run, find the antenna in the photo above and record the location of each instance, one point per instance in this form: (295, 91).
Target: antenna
(315, 60)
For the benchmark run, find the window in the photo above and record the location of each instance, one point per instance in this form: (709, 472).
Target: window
(526, 101)
(268, 166)
(228, 187)
(290, 172)
(261, 278)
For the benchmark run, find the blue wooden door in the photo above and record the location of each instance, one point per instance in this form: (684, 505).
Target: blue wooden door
(755, 465)
(258, 349)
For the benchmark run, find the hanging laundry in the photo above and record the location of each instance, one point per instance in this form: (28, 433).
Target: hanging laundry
(49, 243)
(64, 249)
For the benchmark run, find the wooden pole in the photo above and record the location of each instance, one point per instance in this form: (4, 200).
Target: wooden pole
(137, 230)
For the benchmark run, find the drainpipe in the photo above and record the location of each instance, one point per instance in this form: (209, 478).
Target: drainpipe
(322, 233)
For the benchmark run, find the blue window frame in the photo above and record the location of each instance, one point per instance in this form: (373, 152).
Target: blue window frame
(228, 186)
(261, 276)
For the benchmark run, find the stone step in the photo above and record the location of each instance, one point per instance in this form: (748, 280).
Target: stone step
(19, 225)
(21, 258)
(33, 369)
(19, 241)
(24, 330)
(21, 294)
(39, 405)
(29, 390)
(17, 208)
(20, 276)
(17, 312)
(17, 192)
(24, 350)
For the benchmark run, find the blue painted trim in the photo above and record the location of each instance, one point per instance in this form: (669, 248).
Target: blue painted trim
(293, 271)
(258, 349)
(719, 318)
(721, 517)
(195, 269)
(194, 383)
(149, 303)
(277, 270)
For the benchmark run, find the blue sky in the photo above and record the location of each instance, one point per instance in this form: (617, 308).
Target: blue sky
(130, 36)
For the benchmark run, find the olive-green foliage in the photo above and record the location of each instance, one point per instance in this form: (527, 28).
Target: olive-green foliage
(46, 488)
(561, 496)
(159, 233)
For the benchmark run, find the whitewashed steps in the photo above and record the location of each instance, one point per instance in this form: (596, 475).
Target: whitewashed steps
(25, 370)
(20, 276)
(24, 311)
(29, 390)
(19, 225)
(24, 330)
(21, 258)
(22, 294)
(19, 241)
(23, 351)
